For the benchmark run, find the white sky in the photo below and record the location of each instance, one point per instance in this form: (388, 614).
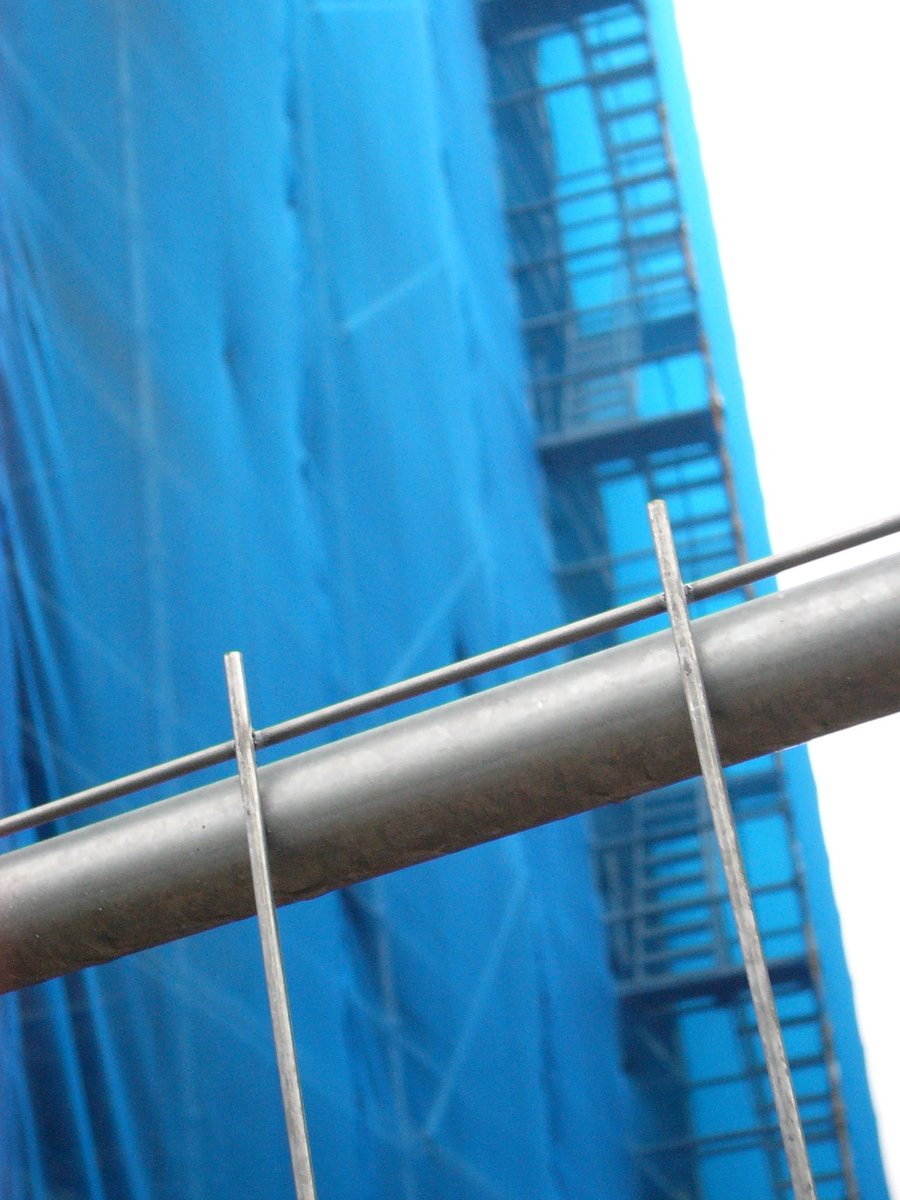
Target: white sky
(797, 104)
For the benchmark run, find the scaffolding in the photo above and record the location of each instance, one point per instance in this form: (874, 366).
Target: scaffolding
(628, 410)
(625, 396)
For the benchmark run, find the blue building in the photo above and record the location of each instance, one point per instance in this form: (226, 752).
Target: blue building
(267, 384)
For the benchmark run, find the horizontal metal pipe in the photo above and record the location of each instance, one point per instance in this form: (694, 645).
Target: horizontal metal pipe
(779, 670)
(743, 575)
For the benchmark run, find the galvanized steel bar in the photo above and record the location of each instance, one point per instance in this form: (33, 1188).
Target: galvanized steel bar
(758, 980)
(419, 685)
(273, 962)
(605, 727)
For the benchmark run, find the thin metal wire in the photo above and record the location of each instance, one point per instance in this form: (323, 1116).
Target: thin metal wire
(732, 860)
(420, 685)
(285, 1051)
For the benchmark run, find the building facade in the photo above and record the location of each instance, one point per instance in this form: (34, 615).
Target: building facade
(357, 336)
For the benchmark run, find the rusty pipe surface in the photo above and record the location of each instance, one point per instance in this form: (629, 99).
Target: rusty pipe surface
(779, 670)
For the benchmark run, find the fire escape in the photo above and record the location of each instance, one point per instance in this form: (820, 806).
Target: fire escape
(628, 410)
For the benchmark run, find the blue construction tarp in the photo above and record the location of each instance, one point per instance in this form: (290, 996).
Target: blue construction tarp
(262, 389)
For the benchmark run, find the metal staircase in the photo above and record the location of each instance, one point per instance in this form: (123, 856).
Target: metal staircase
(628, 410)
(680, 975)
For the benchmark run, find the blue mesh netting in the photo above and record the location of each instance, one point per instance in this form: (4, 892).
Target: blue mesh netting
(263, 390)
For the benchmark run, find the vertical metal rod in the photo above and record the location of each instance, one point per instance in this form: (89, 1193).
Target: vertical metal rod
(735, 872)
(285, 1051)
